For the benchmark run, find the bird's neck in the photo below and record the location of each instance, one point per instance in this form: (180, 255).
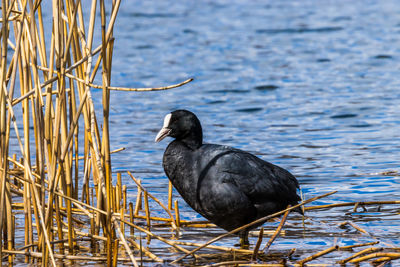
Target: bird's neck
(193, 141)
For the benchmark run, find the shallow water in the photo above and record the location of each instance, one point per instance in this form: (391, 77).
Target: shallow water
(312, 86)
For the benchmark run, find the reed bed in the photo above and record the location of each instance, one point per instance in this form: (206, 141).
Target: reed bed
(63, 166)
(60, 201)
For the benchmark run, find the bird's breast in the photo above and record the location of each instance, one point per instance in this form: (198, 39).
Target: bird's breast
(180, 167)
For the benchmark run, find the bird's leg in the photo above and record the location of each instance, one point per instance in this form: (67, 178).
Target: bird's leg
(244, 239)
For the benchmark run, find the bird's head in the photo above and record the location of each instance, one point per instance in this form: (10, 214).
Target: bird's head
(184, 126)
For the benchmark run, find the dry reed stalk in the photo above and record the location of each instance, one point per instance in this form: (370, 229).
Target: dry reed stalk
(359, 245)
(124, 198)
(115, 253)
(362, 252)
(117, 194)
(356, 206)
(37, 205)
(317, 255)
(124, 221)
(382, 260)
(358, 228)
(169, 195)
(154, 198)
(66, 257)
(77, 203)
(352, 204)
(278, 230)
(258, 244)
(59, 224)
(355, 226)
(261, 220)
(118, 189)
(86, 191)
(131, 218)
(105, 145)
(112, 88)
(80, 210)
(226, 249)
(147, 211)
(229, 263)
(83, 234)
(18, 33)
(156, 236)
(61, 122)
(3, 71)
(390, 255)
(153, 218)
(177, 216)
(5, 201)
(266, 265)
(122, 237)
(183, 223)
(145, 251)
(146, 89)
(113, 198)
(138, 205)
(122, 216)
(91, 130)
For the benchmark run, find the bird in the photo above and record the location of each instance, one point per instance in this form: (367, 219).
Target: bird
(228, 186)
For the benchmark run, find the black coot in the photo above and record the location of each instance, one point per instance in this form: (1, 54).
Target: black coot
(228, 186)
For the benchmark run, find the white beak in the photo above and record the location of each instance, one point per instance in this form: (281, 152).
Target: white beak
(164, 132)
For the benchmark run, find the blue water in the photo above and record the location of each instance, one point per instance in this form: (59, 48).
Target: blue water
(312, 86)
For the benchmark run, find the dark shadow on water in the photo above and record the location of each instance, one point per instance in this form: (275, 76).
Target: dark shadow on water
(216, 102)
(343, 116)
(234, 91)
(153, 15)
(267, 87)
(249, 110)
(299, 30)
(383, 56)
(365, 125)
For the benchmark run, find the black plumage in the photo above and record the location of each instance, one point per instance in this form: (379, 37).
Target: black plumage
(228, 186)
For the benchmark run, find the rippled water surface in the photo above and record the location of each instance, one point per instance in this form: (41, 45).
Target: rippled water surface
(312, 86)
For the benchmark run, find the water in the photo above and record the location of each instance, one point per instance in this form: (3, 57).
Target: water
(312, 86)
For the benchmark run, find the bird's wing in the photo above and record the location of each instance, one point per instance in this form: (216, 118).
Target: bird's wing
(222, 202)
(259, 180)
